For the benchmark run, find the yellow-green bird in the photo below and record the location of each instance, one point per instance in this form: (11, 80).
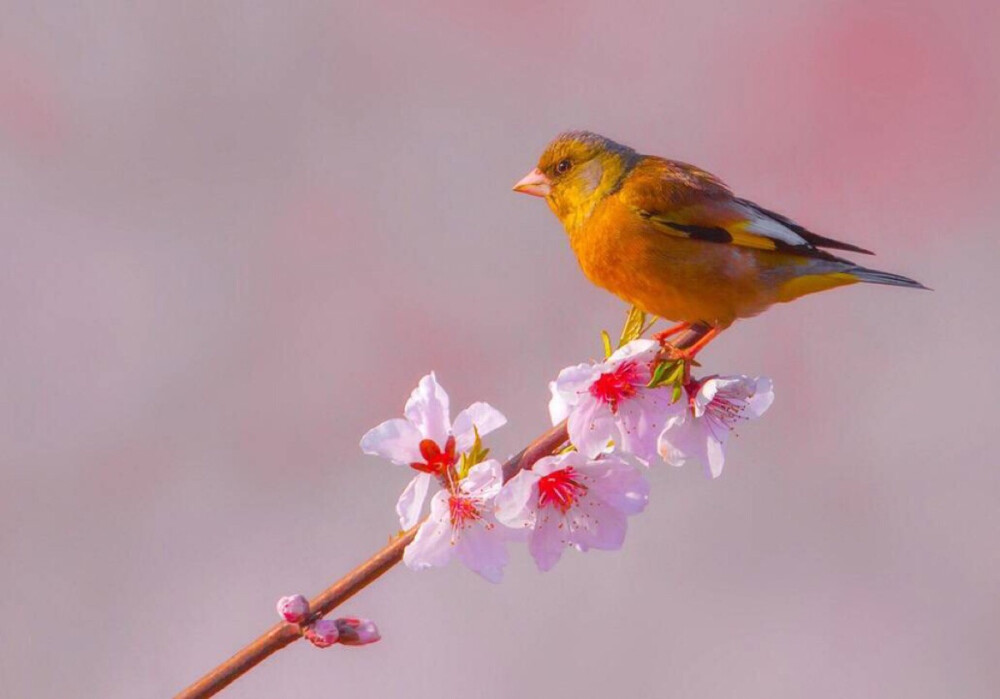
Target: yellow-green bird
(673, 239)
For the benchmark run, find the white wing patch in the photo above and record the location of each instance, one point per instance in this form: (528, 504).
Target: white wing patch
(764, 225)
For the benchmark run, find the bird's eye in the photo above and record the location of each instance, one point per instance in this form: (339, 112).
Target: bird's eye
(563, 166)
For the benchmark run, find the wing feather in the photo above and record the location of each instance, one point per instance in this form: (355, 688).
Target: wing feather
(683, 201)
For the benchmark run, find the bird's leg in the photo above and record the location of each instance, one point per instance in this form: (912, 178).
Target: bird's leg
(662, 336)
(706, 333)
(710, 334)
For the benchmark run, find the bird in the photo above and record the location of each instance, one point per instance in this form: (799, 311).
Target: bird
(675, 241)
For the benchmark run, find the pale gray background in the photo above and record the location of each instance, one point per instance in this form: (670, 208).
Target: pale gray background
(235, 235)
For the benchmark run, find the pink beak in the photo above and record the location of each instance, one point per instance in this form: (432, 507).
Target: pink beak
(534, 183)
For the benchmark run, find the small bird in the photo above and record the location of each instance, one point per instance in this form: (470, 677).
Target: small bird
(673, 239)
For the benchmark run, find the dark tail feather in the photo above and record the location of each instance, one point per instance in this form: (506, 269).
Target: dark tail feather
(874, 276)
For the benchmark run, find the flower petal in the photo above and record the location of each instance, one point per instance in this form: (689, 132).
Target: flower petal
(428, 409)
(397, 440)
(683, 439)
(411, 502)
(548, 540)
(618, 483)
(633, 350)
(483, 549)
(516, 504)
(593, 523)
(432, 545)
(574, 382)
(558, 407)
(483, 416)
(715, 456)
(484, 480)
(641, 419)
(762, 398)
(591, 427)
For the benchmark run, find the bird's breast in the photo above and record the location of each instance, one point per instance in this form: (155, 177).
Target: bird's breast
(674, 278)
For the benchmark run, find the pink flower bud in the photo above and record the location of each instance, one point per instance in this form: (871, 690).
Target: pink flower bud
(357, 632)
(323, 633)
(293, 608)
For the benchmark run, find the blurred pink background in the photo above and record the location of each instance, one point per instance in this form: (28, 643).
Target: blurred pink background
(236, 235)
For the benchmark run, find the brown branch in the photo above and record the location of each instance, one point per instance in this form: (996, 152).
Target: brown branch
(283, 634)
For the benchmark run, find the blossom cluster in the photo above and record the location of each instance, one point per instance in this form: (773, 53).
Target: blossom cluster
(622, 415)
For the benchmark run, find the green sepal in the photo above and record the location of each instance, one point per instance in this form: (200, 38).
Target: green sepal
(669, 374)
(635, 326)
(606, 339)
(475, 455)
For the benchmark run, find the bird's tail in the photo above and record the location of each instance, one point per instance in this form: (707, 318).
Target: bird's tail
(874, 276)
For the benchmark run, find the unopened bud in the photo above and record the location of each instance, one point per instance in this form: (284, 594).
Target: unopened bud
(323, 633)
(357, 632)
(293, 608)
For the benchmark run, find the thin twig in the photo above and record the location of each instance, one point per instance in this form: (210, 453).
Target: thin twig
(283, 634)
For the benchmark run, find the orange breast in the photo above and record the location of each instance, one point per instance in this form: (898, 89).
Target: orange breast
(677, 279)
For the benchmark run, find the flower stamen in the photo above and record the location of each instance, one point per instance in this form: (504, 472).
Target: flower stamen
(615, 386)
(560, 489)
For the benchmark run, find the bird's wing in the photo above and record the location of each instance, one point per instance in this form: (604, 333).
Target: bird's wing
(683, 201)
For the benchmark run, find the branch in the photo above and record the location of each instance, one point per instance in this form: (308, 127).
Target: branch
(283, 634)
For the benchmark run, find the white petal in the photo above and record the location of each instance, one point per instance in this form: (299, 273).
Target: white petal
(558, 407)
(732, 388)
(428, 409)
(548, 464)
(483, 416)
(548, 540)
(762, 398)
(411, 502)
(682, 439)
(574, 382)
(634, 349)
(397, 440)
(619, 484)
(706, 392)
(483, 549)
(641, 419)
(595, 524)
(591, 427)
(432, 545)
(715, 456)
(517, 503)
(484, 480)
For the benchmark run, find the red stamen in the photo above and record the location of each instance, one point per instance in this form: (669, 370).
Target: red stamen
(560, 489)
(618, 385)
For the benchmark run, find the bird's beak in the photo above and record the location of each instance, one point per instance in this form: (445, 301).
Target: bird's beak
(534, 183)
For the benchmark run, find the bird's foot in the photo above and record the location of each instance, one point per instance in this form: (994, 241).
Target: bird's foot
(664, 335)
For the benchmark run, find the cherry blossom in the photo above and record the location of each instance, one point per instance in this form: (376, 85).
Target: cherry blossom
(428, 441)
(609, 401)
(461, 523)
(715, 407)
(570, 500)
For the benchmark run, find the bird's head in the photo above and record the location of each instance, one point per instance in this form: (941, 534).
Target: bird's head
(575, 172)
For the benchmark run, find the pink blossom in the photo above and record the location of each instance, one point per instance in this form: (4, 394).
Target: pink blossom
(609, 401)
(570, 500)
(323, 633)
(461, 523)
(427, 440)
(716, 408)
(293, 608)
(357, 632)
